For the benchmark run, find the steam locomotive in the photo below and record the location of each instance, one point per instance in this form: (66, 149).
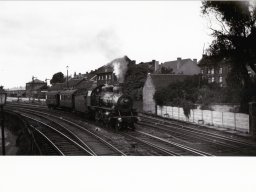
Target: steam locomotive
(105, 103)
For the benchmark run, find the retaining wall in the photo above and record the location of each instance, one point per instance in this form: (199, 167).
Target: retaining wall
(236, 121)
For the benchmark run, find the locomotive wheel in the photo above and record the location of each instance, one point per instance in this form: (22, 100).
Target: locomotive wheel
(117, 126)
(97, 116)
(107, 123)
(132, 127)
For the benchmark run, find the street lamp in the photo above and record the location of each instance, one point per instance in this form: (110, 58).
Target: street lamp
(67, 75)
(3, 96)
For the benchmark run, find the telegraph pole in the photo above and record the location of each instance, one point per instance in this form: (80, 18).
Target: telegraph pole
(67, 75)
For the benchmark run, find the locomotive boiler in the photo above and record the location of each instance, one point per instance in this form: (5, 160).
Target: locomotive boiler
(112, 107)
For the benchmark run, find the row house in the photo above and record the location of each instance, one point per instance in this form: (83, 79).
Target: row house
(181, 66)
(105, 75)
(36, 89)
(214, 73)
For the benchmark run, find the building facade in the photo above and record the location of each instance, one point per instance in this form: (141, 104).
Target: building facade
(214, 72)
(36, 89)
(16, 92)
(156, 82)
(105, 75)
(181, 66)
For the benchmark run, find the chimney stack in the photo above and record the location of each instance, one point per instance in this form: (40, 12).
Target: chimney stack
(178, 62)
(195, 61)
(156, 65)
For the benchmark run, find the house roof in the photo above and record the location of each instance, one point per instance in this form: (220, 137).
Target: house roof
(36, 87)
(52, 92)
(163, 80)
(68, 92)
(85, 84)
(72, 83)
(57, 86)
(174, 64)
(37, 81)
(212, 61)
(105, 69)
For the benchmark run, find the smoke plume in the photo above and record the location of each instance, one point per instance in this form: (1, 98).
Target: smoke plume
(120, 66)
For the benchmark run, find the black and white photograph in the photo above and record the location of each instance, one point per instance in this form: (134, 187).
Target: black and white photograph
(124, 78)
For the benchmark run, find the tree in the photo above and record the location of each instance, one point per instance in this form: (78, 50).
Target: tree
(234, 41)
(135, 78)
(165, 70)
(57, 78)
(183, 94)
(235, 38)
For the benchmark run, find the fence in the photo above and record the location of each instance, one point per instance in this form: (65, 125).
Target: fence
(236, 121)
(25, 100)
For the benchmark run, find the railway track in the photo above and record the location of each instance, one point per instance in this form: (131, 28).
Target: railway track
(62, 142)
(186, 139)
(215, 140)
(110, 136)
(165, 146)
(95, 144)
(151, 147)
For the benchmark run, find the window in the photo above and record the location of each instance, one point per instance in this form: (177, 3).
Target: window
(209, 80)
(212, 79)
(109, 76)
(212, 71)
(202, 71)
(209, 71)
(220, 80)
(220, 70)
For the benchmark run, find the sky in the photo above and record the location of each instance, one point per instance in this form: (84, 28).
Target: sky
(41, 38)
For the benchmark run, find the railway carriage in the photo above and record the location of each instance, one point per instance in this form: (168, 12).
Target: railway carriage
(53, 99)
(83, 97)
(67, 99)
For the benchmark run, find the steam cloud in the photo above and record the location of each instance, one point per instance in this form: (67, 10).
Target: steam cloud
(120, 66)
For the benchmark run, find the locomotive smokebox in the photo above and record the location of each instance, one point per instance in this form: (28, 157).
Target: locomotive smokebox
(119, 86)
